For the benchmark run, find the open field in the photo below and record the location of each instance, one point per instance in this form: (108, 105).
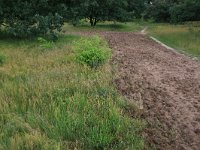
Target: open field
(185, 38)
(50, 101)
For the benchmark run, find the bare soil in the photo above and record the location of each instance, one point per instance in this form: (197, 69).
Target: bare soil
(167, 84)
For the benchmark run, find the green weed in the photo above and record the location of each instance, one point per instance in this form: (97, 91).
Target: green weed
(45, 44)
(92, 51)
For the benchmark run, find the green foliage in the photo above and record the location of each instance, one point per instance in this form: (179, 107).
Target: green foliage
(100, 10)
(45, 44)
(158, 10)
(137, 8)
(175, 11)
(92, 51)
(187, 11)
(25, 18)
(2, 59)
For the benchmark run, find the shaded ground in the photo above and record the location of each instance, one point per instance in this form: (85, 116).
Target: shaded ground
(168, 85)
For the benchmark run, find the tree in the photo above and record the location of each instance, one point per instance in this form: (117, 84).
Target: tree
(137, 7)
(99, 10)
(158, 10)
(188, 10)
(173, 10)
(23, 18)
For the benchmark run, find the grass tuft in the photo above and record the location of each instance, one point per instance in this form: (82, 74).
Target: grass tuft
(92, 51)
(45, 44)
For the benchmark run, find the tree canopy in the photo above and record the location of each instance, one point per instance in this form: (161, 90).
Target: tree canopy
(99, 10)
(27, 17)
(174, 11)
(23, 18)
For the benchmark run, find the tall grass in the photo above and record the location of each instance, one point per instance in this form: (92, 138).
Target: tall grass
(182, 37)
(50, 101)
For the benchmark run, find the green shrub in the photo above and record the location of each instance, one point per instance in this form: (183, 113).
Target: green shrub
(2, 59)
(92, 51)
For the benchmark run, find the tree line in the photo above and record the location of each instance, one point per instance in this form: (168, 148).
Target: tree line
(173, 11)
(27, 17)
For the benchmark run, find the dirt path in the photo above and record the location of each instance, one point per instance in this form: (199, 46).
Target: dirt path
(167, 83)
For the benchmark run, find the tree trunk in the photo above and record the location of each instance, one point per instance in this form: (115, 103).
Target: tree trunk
(91, 21)
(95, 22)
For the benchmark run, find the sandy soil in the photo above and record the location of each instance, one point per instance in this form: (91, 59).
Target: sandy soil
(165, 82)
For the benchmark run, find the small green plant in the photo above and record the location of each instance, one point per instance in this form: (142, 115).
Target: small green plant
(92, 51)
(45, 44)
(2, 59)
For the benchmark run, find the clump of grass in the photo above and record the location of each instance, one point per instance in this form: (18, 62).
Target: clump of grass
(2, 59)
(45, 44)
(92, 51)
(48, 103)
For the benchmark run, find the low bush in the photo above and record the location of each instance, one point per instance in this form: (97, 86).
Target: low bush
(92, 51)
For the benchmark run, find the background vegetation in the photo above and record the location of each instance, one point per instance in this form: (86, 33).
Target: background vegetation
(174, 11)
(24, 18)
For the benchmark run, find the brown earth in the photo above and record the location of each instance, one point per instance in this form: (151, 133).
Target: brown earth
(165, 82)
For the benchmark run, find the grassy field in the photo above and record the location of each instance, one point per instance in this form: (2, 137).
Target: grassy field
(185, 38)
(48, 100)
(106, 26)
